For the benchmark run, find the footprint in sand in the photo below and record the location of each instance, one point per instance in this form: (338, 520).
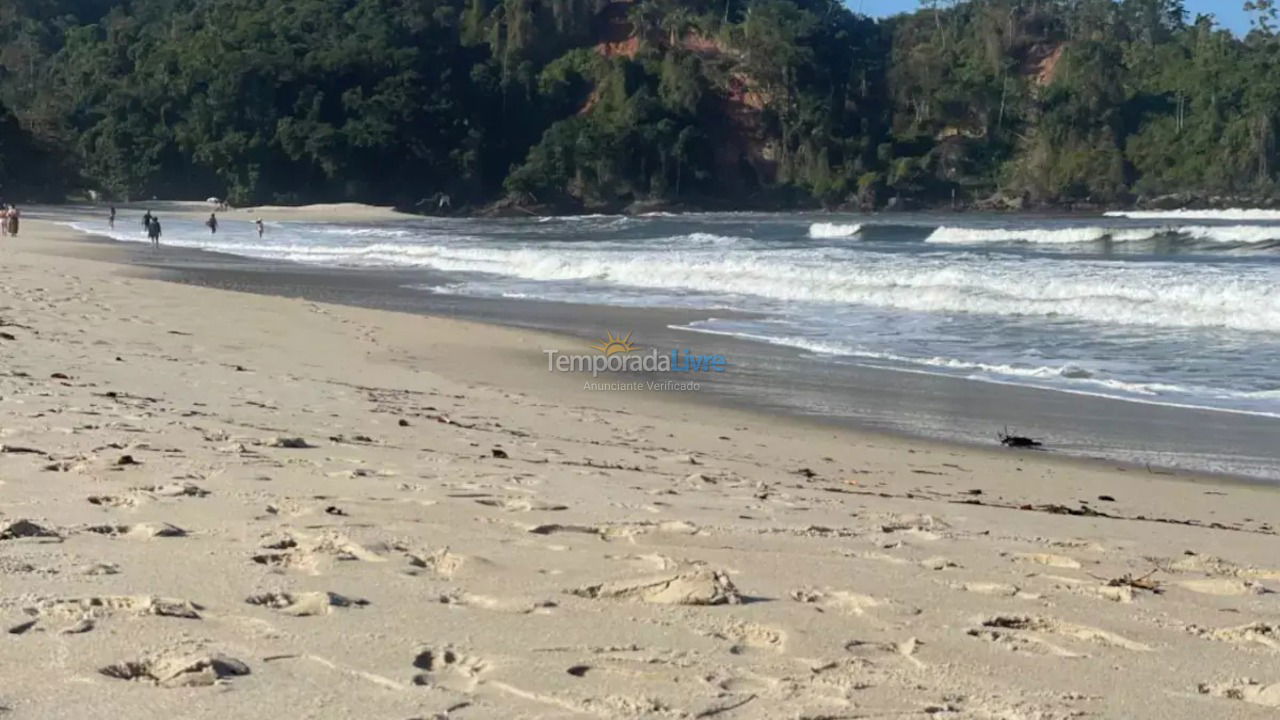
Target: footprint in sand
(1021, 643)
(652, 561)
(116, 501)
(1258, 633)
(745, 636)
(449, 669)
(1250, 691)
(17, 529)
(695, 585)
(938, 564)
(1211, 565)
(744, 684)
(305, 604)
(77, 615)
(1022, 632)
(841, 601)
(299, 551)
(518, 504)
(919, 523)
(613, 531)
(139, 531)
(176, 490)
(906, 648)
(1048, 560)
(520, 606)
(178, 669)
(996, 588)
(105, 606)
(1224, 586)
(441, 561)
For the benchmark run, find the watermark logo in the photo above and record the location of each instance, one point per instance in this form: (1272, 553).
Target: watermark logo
(616, 353)
(612, 345)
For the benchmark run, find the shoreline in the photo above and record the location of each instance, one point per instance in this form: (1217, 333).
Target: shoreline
(355, 211)
(1086, 426)
(118, 254)
(328, 509)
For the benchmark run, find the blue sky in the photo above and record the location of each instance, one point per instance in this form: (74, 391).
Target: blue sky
(1230, 13)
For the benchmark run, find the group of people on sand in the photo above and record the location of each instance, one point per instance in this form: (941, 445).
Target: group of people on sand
(9, 215)
(151, 225)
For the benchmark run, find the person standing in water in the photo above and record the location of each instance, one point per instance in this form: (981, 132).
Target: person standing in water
(146, 222)
(212, 224)
(111, 219)
(261, 227)
(153, 230)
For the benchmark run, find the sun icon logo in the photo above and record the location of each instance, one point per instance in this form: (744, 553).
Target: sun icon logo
(614, 344)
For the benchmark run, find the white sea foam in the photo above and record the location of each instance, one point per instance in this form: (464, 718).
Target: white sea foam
(1056, 236)
(1152, 294)
(576, 218)
(1053, 375)
(363, 232)
(1236, 214)
(701, 238)
(1106, 293)
(1232, 234)
(834, 230)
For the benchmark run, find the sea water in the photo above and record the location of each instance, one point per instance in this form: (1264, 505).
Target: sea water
(1169, 308)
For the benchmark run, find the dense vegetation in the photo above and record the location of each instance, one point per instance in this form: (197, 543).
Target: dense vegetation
(611, 102)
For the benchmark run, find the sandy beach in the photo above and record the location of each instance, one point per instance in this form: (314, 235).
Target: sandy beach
(218, 505)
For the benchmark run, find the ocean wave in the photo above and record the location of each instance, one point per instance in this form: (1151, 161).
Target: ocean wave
(834, 230)
(1232, 234)
(1153, 294)
(1232, 214)
(578, 218)
(702, 238)
(1058, 236)
(1067, 376)
(838, 349)
(1108, 293)
(362, 232)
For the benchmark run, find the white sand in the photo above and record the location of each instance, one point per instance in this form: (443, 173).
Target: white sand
(630, 557)
(197, 209)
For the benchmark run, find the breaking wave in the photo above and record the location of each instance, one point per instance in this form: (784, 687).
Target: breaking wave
(1236, 214)
(1067, 376)
(1058, 236)
(1233, 234)
(1150, 294)
(834, 230)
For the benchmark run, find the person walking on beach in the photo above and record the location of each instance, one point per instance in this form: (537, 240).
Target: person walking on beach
(212, 224)
(13, 221)
(4, 220)
(261, 227)
(111, 219)
(146, 222)
(153, 230)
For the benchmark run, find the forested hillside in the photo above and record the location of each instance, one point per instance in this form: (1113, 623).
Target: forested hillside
(609, 103)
